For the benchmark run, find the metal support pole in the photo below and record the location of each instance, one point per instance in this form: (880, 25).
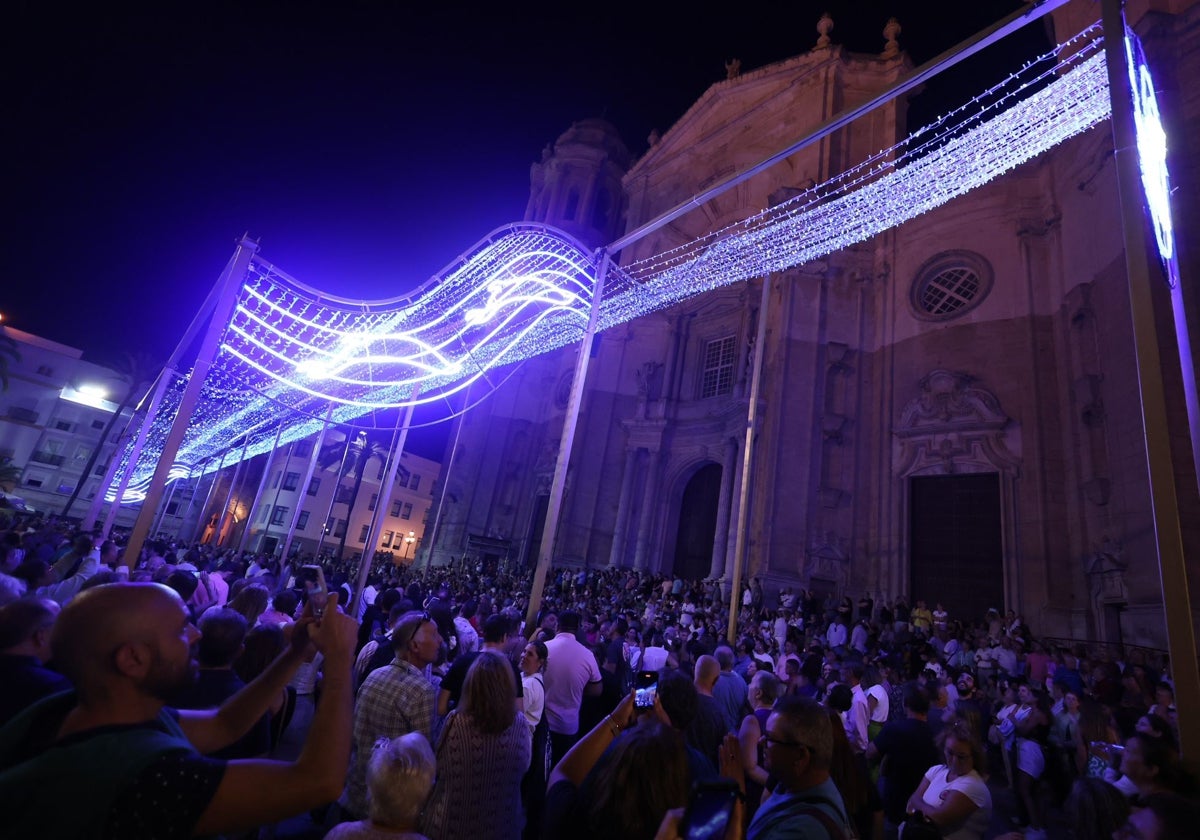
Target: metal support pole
(739, 546)
(162, 509)
(187, 514)
(198, 531)
(333, 500)
(559, 483)
(224, 301)
(385, 500)
(110, 473)
(303, 488)
(237, 476)
(1160, 466)
(262, 486)
(164, 379)
(441, 507)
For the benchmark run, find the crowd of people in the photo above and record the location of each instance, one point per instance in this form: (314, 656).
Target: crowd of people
(199, 691)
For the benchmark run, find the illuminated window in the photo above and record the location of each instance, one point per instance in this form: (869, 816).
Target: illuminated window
(386, 542)
(719, 356)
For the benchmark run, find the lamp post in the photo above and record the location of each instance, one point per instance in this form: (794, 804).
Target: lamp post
(408, 542)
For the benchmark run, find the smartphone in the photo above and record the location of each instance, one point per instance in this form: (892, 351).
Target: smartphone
(312, 579)
(709, 810)
(645, 689)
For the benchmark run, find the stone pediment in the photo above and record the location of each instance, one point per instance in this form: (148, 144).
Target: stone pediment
(724, 107)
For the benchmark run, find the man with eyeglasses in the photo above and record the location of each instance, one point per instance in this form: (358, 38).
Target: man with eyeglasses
(805, 803)
(393, 701)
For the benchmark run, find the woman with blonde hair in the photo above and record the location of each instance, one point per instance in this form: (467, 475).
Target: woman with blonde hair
(399, 778)
(483, 751)
(954, 795)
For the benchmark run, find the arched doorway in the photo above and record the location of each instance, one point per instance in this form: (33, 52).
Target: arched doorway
(697, 523)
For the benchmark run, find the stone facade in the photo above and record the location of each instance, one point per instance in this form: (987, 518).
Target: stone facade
(885, 428)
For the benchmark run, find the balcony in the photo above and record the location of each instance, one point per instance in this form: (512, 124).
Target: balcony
(22, 415)
(48, 458)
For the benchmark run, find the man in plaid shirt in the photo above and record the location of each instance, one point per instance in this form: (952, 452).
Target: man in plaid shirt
(394, 700)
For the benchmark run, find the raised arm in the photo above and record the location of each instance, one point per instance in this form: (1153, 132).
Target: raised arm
(253, 793)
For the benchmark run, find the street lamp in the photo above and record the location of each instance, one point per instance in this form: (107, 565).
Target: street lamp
(408, 541)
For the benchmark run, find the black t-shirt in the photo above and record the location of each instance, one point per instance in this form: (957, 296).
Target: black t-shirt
(457, 676)
(908, 746)
(167, 799)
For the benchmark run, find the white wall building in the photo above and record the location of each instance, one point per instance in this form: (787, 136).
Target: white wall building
(52, 418)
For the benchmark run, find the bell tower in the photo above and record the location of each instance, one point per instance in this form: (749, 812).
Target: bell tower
(577, 184)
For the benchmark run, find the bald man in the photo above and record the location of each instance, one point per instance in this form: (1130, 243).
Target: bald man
(124, 765)
(707, 729)
(25, 627)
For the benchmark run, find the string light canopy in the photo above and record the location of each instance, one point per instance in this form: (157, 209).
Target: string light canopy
(294, 353)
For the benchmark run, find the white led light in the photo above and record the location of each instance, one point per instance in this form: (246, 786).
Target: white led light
(527, 290)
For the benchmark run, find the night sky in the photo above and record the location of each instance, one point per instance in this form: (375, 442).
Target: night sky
(366, 144)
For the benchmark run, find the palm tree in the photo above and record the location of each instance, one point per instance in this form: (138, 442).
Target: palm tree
(8, 355)
(134, 369)
(363, 447)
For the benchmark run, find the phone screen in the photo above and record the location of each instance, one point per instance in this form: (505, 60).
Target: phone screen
(312, 578)
(645, 688)
(709, 812)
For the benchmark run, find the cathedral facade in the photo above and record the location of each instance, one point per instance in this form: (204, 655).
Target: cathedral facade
(949, 410)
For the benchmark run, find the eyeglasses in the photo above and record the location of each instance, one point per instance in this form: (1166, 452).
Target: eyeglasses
(766, 737)
(416, 628)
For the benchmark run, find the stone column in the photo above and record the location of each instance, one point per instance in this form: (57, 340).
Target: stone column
(649, 498)
(724, 497)
(620, 533)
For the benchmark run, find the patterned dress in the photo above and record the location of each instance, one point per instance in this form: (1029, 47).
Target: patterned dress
(477, 795)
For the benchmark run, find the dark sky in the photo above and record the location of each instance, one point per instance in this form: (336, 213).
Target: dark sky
(365, 143)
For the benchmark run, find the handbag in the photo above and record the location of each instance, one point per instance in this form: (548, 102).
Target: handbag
(918, 826)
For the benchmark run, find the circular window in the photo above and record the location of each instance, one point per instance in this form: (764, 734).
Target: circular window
(951, 284)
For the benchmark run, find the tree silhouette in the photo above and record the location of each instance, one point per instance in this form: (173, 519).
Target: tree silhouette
(8, 355)
(356, 449)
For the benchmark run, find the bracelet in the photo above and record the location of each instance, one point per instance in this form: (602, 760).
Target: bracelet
(614, 727)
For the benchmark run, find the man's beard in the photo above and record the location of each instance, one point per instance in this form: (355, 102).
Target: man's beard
(166, 680)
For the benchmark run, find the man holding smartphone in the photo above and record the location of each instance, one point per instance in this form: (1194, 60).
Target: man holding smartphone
(127, 766)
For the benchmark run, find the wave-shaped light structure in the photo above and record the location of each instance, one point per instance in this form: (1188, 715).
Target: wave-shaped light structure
(290, 354)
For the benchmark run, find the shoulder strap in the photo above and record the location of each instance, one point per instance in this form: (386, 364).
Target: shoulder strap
(835, 831)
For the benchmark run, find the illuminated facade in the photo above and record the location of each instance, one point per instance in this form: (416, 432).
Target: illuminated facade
(948, 407)
(53, 417)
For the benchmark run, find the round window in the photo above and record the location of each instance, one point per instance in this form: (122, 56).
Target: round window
(951, 284)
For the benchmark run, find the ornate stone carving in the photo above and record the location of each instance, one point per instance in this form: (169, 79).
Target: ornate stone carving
(952, 426)
(1106, 570)
(649, 382)
(827, 560)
